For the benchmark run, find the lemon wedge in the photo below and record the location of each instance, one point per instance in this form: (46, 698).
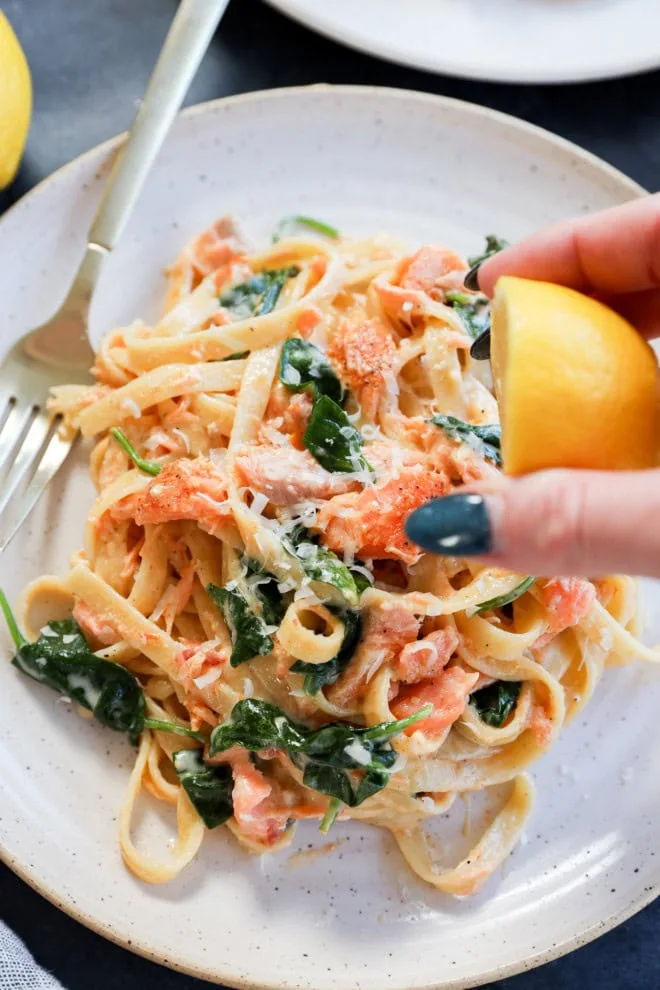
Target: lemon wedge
(577, 385)
(15, 102)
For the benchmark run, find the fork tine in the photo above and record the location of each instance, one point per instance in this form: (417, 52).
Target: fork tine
(53, 456)
(12, 429)
(27, 454)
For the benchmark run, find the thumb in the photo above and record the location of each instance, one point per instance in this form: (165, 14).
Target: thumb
(551, 523)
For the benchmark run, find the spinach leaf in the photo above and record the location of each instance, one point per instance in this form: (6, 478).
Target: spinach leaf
(304, 365)
(62, 660)
(299, 220)
(259, 294)
(149, 467)
(209, 788)
(507, 598)
(317, 675)
(267, 594)
(332, 439)
(496, 702)
(494, 244)
(321, 564)
(484, 439)
(473, 311)
(325, 755)
(236, 356)
(256, 725)
(248, 631)
(328, 780)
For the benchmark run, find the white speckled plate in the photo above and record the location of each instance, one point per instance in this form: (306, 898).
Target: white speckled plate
(535, 41)
(365, 159)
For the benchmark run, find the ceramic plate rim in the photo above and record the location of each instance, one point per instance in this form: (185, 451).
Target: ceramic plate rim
(382, 50)
(139, 946)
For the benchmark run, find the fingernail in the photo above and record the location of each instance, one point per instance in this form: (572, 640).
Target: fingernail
(471, 280)
(480, 349)
(457, 526)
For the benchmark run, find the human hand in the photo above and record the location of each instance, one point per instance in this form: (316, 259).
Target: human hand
(565, 521)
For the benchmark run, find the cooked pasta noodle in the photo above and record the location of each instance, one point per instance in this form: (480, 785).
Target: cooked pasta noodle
(247, 545)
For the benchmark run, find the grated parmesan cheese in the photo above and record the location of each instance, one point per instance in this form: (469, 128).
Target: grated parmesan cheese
(372, 432)
(358, 752)
(420, 647)
(210, 501)
(157, 439)
(291, 376)
(183, 437)
(399, 764)
(307, 594)
(259, 502)
(131, 407)
(365, 572)
(375, 664)
(208, 678)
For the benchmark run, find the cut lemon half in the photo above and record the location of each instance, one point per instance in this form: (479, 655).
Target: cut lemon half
(15, 102)
(577, 386)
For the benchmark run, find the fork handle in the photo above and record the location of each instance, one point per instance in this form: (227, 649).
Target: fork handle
(184, 48)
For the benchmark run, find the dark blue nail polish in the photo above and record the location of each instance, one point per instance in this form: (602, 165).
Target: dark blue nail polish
(471, 280)
(480, 349)
(456, 526)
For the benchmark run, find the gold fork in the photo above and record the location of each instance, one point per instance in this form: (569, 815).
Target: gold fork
(58, 352)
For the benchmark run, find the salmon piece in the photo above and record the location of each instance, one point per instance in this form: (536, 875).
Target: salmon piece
(363, 353)
(217, 245)
(102, 631)
(95, 627)
(319, 267)
(174, 599)
(433, 270)
(427, 657)
(448, 693)
(288, 476)
(308, 319)
(387, 628)
(404, 304)
(195, 660)
(296, 417)
(567, 601)
(278, 403)
(371, 522)
(184, 489)
(215, 248)
(253, 805)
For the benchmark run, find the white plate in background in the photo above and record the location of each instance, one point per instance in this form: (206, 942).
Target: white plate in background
(425, 168)
(528, 41)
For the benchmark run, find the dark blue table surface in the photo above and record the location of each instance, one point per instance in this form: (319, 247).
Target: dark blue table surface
(90, 60)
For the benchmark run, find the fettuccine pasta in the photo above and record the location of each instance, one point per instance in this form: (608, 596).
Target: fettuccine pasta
(247, 605)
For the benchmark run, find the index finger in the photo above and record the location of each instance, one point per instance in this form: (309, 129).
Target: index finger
(613, 252)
